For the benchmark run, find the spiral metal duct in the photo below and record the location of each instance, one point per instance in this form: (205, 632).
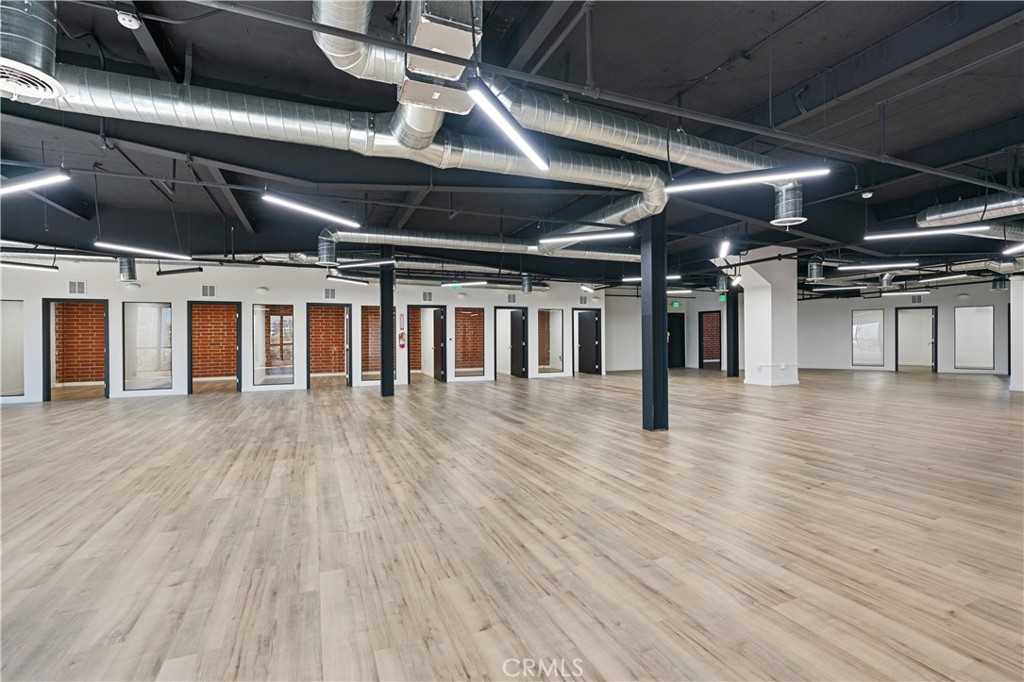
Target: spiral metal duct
(979, 209)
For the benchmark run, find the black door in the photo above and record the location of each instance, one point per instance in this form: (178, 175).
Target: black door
(676, 340)
(440, 356)
(589, 342)
(518, 336)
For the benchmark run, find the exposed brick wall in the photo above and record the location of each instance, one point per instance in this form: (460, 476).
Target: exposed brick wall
(281, 311)
(712, 335)
(326, 339)
(78, 331)
(469, 338)
(214, 335)
(543, 338)
(415, 344)
(370, 351)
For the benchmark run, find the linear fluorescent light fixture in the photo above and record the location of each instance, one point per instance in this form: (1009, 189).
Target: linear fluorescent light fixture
(945, 278)
(179, 271)
(668, 278)
(309, 210)
(364, 264)
(723, 250)
(34, 181)
(914, 234)
(127, 248)
(1014, 249)
(27, 266)
(752, 178)
(350, 280)
(879, 266)
(587, 288)
(825, 290)
(457, 285)
(679, 292)
(497, 112)
(587, 236)
(736, 280)
(911, 292)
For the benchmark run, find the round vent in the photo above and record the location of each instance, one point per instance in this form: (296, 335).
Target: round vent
(22, 81)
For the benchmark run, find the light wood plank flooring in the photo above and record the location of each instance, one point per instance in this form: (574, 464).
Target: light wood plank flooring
(858, 526)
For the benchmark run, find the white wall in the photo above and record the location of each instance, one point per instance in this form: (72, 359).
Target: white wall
(1016, 334)
(286, 285)
(825, 327)
(915, 337)
(427, 340)
(12, 348)
(504, 342)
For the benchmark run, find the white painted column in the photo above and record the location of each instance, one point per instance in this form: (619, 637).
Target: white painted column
(1017, 334)
(769, 318)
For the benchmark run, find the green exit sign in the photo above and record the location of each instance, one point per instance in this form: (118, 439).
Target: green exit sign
(721, 297)
(675, 304)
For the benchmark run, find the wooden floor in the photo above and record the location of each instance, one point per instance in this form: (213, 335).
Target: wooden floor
(858, 526)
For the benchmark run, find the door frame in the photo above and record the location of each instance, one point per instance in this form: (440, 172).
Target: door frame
(526, 312)
(238, 340)
(309, 345)
(408, 346)
(935, 335)
(600, 340)
(700, 336)
(48, 349)
(681, 314)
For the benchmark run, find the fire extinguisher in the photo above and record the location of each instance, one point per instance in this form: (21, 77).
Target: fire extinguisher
(401, 340)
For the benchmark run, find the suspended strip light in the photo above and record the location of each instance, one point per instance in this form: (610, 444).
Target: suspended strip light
(914, 234)
(1014, 249)
(459, 285)
(179, 271)
(753, 178)
(942, 279)
(364, 264)
(825, 290)
(723, 250)
(587, 236)
(679, 292)
(350, 280)
(34, 180)
(27, 266)
(736, 280)
(497, 112)
(668, 278)
(587, 288)
(879, 266)
(906, 293)
(309, 210)
(111, 246)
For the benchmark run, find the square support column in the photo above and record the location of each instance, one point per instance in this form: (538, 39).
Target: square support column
(732, 333)
(387, 324)
(1017, 334)
(654, 322)
(769, 317)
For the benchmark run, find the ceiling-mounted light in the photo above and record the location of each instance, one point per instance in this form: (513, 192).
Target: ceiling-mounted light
(129, 21)
(27, 266)
(825, 290)
(736, 280)
(309, 210)
(723, 250)
(179, 271)
(497, 112)
(942, 279)
(668, 278)
(350, 280)
(914, 234)
(262, 290)
(587, 236)
(867, 194)
(679, 292)
(34, 180)
(364, 264)
(752, 178)
(879, 266)
(457, 285)
(1014, 249)
(909, 292)
(126, 248)
(587, 288)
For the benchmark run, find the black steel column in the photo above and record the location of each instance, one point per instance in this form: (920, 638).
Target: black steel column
(654, 322)
(387, 324)
(732, 332)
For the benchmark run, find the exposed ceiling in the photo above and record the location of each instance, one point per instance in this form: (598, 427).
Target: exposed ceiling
(950, 75)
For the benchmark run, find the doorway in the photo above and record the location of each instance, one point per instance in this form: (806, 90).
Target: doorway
(587, 336)
(550, 346)
(709, 333)
(76, 342)
(328, 345)
(676, 340)
(511, 342)
(214, 347)
(917, 338)
(427, 350)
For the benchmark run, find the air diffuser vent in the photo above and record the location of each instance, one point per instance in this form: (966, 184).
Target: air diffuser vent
(27, 53)
(511, 298)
